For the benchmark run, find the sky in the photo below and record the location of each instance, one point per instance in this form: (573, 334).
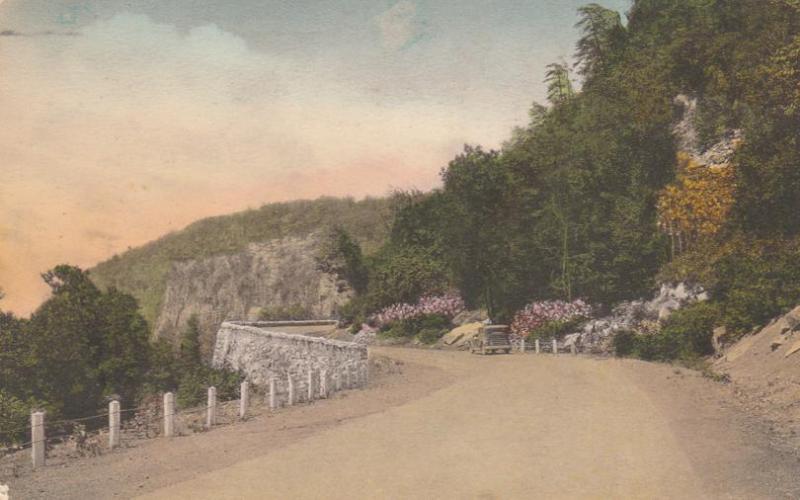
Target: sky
(123, 120)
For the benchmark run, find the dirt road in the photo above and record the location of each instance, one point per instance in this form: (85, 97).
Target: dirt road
(524, 427)
(452, 425)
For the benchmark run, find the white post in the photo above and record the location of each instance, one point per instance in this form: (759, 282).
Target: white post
(272, 393)
(555, 345)
(211, 408)
(290, 383)
(323, 384)
(538, 348)
(348, 384)
(244, 398)
(113, 424)
(310, 384)
(573, 349)
(169, 414)
(37, 439)
(338, 376)
(522, 346)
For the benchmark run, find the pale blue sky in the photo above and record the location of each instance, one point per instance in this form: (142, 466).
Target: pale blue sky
(132, 118)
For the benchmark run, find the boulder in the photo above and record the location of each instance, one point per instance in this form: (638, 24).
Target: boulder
(461, 335)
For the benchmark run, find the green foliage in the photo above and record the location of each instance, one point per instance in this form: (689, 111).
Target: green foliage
(340, 255)
(164, 373)
(294, 312)
(143, 271)
(685, 336)
(601, 31)
(194, 384)
(79, 346)
(559, 85)
(476, 189)
(14, 418)
(189, 353)
(411, 263)
(194, 378)
(752, 280)
(427, 329)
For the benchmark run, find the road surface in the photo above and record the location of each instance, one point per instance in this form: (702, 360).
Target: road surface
(523, 427)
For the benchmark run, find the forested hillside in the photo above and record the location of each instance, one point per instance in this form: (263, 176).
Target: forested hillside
(143, 271)
(595, 200)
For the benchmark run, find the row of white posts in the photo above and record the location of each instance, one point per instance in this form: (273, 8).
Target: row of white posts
(572, 348)
(347, 377)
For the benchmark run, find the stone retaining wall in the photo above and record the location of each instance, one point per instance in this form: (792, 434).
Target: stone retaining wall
(261, 354)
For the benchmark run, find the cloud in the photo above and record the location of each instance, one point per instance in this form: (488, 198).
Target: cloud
(399, 26)
(38, 33)
(136, 128)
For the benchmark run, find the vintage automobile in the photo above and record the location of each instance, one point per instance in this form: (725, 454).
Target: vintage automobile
(490, 339)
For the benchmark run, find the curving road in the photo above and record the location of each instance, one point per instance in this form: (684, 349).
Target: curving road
(525, 427)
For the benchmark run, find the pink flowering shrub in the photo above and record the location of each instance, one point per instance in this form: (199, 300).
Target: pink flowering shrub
(538, 315)
(448, 306)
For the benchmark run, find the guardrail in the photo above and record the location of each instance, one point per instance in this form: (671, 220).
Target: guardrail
(540, 346)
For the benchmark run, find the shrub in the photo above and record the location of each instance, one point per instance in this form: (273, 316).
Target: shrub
(550, 316)
(687, 333)
(14, 416)
(427, 329)
(293, 312)
(193, 387)
(685, 336)
(555, 328)
(447, 306)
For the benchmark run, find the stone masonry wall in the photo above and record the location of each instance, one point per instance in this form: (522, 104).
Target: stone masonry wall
(261, 354)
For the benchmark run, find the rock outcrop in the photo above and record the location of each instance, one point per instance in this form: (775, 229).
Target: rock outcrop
(279, 273)
(597, 335)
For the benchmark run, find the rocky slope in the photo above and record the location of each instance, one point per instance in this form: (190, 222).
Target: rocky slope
(276, 274)
(765, 370)
(228, 267)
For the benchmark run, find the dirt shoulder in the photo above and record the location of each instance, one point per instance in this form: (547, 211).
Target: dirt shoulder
(143, 466)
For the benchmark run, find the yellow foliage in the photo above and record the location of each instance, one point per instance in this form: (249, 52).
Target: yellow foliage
(697, 203)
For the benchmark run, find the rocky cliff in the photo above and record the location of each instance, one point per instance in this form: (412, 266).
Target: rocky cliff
(278, 273)
(228, 267)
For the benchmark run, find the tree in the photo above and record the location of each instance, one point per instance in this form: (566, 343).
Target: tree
(697, 203)
(124, 354)
(340, 255)
(601, 30)
(559, 86)
(189, 354)
(102, 346)
(476, 189)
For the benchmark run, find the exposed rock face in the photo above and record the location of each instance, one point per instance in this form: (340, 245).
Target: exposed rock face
(279, 273)
(262, 354)
(638, 315)
(687, 140)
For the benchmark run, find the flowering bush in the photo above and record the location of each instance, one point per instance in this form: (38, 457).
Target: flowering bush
(541, 314)
(448, 306)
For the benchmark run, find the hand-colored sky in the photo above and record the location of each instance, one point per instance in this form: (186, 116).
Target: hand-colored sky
(125, 119)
